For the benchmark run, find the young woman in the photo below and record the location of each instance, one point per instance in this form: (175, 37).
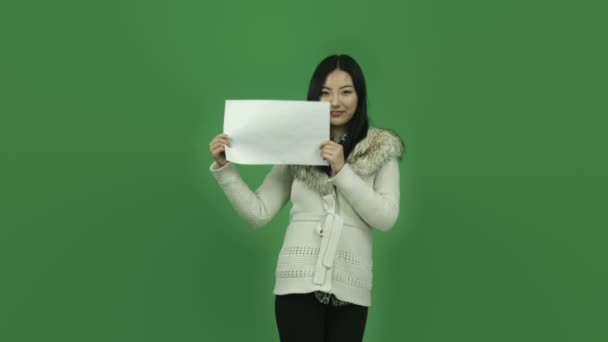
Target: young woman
(324, 271)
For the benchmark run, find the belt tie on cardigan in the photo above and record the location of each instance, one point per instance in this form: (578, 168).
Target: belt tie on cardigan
(330, 229)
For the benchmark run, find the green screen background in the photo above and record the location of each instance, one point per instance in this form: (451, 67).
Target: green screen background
(113, 229)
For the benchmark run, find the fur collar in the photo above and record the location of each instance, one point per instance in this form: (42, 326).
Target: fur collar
(366, 158)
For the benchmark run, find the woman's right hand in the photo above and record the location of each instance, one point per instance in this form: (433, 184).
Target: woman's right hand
(216, 146)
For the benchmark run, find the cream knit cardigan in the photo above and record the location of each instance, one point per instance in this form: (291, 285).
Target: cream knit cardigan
(328, 243)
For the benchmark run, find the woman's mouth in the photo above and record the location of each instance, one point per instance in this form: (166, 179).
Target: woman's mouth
(335, 114)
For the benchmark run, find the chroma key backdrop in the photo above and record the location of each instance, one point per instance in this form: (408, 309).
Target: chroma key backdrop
(113, 229)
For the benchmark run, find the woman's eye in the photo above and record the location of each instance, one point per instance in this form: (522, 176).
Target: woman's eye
(346, 92)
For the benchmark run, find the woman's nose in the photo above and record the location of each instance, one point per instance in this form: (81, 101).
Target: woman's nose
(334, 100)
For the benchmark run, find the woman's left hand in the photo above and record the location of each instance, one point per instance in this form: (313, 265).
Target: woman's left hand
(334, 154)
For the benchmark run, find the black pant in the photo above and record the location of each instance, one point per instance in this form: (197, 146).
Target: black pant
(301, 317)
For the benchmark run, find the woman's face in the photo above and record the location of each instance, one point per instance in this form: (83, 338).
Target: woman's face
(340, 92)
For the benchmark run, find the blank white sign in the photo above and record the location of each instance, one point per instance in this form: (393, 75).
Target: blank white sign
(276, 131)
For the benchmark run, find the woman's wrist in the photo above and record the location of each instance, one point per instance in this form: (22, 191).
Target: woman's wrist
(336, 170)
(221, 164)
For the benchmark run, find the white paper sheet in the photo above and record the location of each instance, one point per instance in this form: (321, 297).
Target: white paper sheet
(276, 132)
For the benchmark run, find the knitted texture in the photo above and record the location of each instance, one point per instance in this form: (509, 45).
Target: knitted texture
(327, 246)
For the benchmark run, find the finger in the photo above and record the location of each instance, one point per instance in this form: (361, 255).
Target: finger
(333, 147)
(215, 140)
(218, 144)
(326, 155)
(225, 142)
(218, 151)
(326, 142)
(329, 149)
(225, 139)
(222, 141)
(217, 147)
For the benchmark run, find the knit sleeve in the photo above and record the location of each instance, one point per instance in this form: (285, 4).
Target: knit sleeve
(259, 207)
(377, 205)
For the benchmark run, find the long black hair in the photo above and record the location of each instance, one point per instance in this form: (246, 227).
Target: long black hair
(358, 125)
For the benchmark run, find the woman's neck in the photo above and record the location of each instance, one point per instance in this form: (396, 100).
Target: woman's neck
(337, 132)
